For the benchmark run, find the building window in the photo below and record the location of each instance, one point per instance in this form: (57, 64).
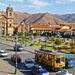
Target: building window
(10, 14)
(62, 59)
(10, 25)
(57, 60)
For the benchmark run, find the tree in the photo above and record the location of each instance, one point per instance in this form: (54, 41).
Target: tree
(20, 34)
(53, 38)
(72, 42)
(36, 34)
(58, 41)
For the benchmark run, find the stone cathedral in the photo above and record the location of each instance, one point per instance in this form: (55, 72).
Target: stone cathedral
(6, 22)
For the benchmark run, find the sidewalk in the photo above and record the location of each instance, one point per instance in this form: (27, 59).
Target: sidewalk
(7, 69)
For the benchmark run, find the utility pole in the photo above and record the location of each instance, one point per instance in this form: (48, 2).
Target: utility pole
(16, 57)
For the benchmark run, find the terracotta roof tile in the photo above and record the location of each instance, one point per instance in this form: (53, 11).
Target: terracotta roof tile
(39, 26)
(65, 30)
(56, 26)
(46, 29)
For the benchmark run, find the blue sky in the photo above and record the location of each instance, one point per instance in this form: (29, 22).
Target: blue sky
(40, 6)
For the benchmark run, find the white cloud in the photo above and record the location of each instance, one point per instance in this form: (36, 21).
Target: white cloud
(65, 1)
(33, 7)
(17, 0)
(2, 4)
(39, 3)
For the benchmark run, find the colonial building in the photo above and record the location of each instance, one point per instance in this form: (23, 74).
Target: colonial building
(7, 26)
(6, 22)
(68, 25)
(41, 28)
(23, 28)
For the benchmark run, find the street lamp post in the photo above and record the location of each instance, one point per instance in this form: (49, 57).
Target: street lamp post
(16, 58)
(45, 39)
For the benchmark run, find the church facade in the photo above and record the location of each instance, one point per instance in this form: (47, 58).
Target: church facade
(6, 22)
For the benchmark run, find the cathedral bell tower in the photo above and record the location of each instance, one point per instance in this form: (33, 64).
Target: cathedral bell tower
(10, 18)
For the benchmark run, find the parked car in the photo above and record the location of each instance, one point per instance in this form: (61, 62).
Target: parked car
(18, 47)
(28, 63)
(38, 70)
(3, 53)
(14, 57)
(63, 72)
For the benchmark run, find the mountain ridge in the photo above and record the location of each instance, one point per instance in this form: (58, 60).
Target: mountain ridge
(66, 17)
(43, 18)
(39, 18)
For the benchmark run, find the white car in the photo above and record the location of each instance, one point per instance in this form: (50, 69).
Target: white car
(28, 63)
(63, 72)
(3, 53)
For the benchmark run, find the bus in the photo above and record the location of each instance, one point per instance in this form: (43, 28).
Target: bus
(51, 60)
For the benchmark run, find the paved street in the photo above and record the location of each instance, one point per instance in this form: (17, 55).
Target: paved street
(10, 66)
(23, 54)
(5, 67)
(20, 66)
(27, 53)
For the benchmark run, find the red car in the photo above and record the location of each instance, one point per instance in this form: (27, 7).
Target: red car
(14, 57)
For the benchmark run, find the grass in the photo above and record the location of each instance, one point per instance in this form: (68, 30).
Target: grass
(37, 46)
(50, 45)
(7, 38)
(68, 51)
(51, 48)
(28, 43)
(40, 44)
(3, 38)
(61, 45)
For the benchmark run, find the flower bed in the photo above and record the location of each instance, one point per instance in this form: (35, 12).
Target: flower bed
(64, 47)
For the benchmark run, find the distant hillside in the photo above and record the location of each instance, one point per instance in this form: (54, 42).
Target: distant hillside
(42, 18)
(67, 17)
(18, 17)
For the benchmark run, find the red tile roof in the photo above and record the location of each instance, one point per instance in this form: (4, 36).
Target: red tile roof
(65, 30)
(44, 29)
(56, 26)
(39, 26)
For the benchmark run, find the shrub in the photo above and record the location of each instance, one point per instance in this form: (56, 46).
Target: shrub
(52, 38)
(20, 33)
(72, 44)
(58, 41)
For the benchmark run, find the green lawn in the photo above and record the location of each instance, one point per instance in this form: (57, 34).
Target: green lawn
(6, 38)
(68, 51)
(38, 45)
(28, 43)
(3, 38)
(61, 45)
